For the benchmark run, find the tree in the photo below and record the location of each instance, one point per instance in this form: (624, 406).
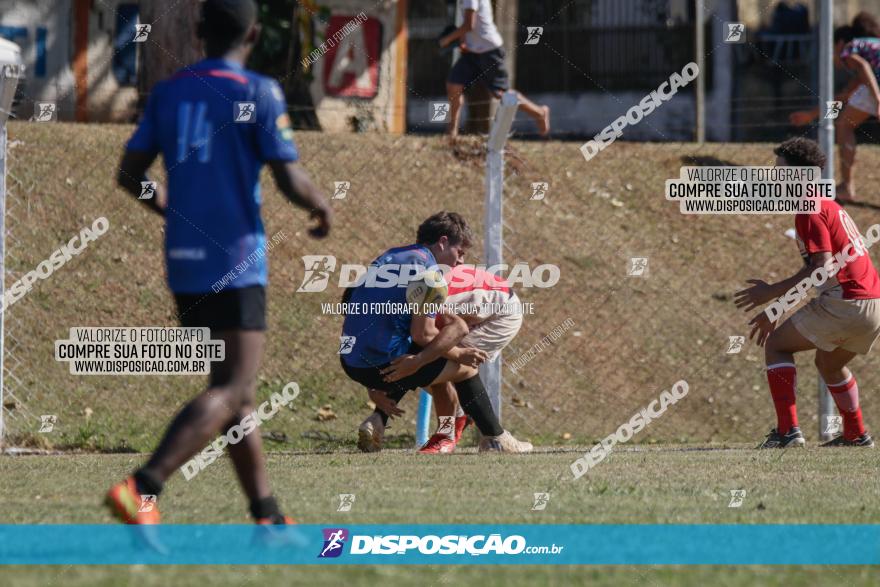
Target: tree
(297, 85)
(172, 44)
(172, 41)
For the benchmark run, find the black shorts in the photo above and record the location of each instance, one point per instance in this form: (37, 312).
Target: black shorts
(372, 378)
(485, 68)
(231, 309)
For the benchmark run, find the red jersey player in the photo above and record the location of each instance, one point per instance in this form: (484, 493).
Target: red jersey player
(839, 323)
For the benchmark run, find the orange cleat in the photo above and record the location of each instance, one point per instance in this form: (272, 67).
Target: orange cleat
(127, 504)
(284, 521)
(278, 531)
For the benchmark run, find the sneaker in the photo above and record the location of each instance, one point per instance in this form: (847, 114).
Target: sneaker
(371, 433)
(438, 444)
(127, 504)
(864, 441)
(461, 423)
(793, 439)
(504, 443)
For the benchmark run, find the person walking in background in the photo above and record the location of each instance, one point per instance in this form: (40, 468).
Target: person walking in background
(482, 61)
(857, 49)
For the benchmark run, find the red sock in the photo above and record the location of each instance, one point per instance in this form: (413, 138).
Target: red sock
(846, 396)
(782, 378)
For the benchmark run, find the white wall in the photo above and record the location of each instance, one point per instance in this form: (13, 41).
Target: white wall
(48, 19)
(53, 80)
(583, 114)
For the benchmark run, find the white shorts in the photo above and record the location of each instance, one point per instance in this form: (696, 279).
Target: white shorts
(495, 333)
(831, 323)
(863, 100)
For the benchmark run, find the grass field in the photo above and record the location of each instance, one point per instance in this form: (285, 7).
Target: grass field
(631, 339)
(433, 576)
(668, 485)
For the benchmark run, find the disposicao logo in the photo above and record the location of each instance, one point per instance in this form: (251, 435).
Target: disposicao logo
(334, 541)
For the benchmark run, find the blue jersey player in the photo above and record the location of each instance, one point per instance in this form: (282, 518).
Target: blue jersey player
(390, 350)
(215, 124)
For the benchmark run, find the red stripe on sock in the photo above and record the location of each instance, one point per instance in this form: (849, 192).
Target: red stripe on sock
(846, 397)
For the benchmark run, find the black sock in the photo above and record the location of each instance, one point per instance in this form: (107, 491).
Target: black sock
(396, 395)
(147, 482)
(475, 402)
(265, 507)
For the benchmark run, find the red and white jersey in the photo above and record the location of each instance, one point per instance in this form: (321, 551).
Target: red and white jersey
(498, 311)
(476, 292)
(832, 230)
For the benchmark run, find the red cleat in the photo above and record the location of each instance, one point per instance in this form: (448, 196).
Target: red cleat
(461, 423)
(438, 444)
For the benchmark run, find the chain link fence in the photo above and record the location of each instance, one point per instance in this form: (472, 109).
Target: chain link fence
(645, 297)
(594, 349)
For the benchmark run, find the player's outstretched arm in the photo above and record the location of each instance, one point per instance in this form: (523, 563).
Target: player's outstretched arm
(133, 171)
(468, 356)
(421, 330)
(464, 355)
(804, 117)
(297, 186)
(434, 346)
(760, 292)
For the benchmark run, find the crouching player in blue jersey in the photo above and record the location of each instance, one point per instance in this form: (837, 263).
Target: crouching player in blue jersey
(391, 351)
(213, 149)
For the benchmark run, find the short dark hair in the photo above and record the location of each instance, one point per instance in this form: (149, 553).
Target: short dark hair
(801, 152)
(224, 23)
(449, 224)
(864, 24)
(844, 34)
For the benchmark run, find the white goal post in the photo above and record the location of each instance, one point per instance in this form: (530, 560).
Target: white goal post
(11, 69)
(826, 142)
(493, 220)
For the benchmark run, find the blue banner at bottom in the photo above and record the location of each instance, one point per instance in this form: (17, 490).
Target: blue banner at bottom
(503, 544)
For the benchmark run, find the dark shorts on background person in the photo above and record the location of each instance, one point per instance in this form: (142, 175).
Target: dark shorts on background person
(372, 378)
(230, 309)
(485, 68)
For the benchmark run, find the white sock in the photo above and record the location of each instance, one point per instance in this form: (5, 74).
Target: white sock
(458, 411)
(446, 426)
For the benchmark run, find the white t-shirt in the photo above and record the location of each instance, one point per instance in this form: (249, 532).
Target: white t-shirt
(484, 36)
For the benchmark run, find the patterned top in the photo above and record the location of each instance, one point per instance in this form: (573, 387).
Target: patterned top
(868, 48)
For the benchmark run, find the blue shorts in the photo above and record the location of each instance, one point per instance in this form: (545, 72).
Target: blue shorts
(484, 68)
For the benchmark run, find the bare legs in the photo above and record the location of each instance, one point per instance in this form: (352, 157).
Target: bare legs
(230, 396)
(455, 94)
(845, 133)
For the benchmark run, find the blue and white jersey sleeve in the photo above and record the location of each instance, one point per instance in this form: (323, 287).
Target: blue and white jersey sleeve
(146, 137)
(274, 131)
